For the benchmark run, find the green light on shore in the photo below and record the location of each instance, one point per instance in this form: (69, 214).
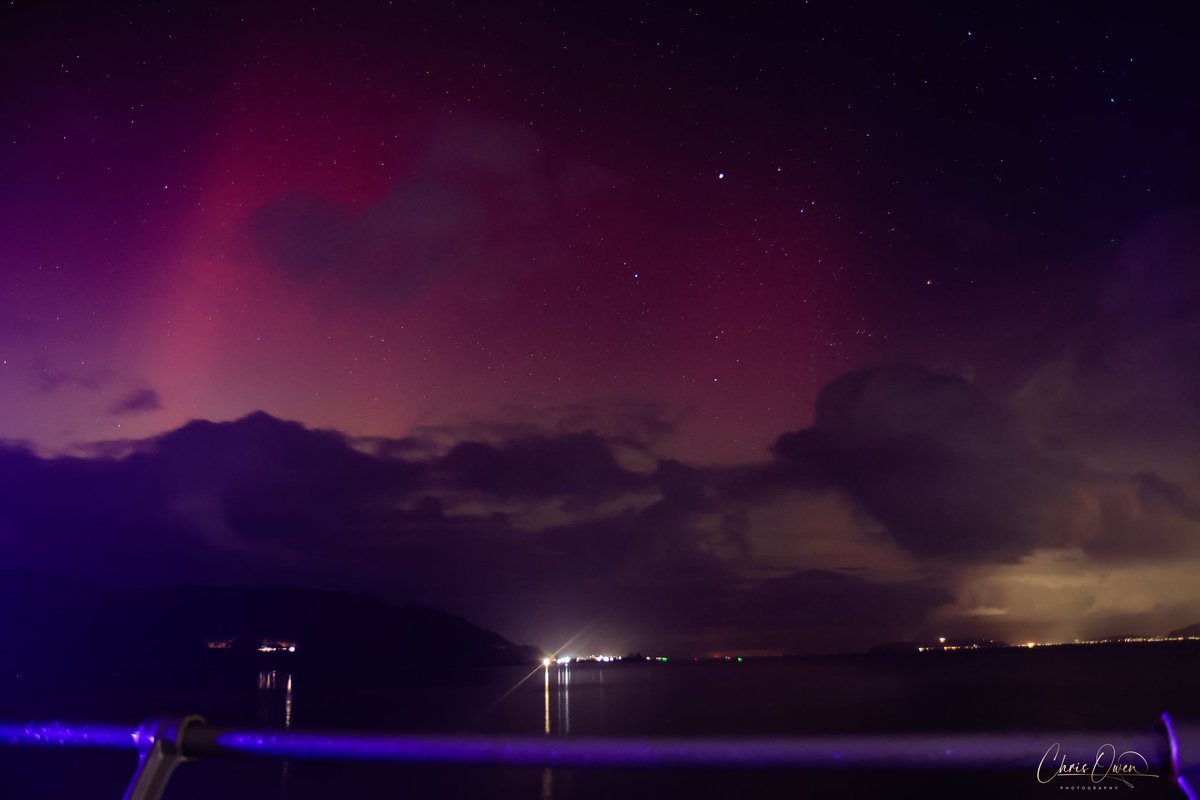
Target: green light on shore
(739, 659)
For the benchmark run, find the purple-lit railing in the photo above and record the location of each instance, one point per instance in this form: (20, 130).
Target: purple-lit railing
(165, 742)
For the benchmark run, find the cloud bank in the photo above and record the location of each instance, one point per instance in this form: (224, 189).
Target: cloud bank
(913, 503)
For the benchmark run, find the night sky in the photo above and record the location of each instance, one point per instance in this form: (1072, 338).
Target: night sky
(793, 326)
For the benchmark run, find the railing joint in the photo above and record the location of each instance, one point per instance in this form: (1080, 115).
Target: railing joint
(159, 742)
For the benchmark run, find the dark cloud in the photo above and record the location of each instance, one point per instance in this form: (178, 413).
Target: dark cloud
(51, 380)
(103, 384)
(683, 488)
(927, 455)
(484, 198)
(260, 500)
(391, 447)
(630, 422)
(1126, 392)
(950, 474)
(538, 535)
(632, 430)
(138, 401)
(580, 465)
(205, 502)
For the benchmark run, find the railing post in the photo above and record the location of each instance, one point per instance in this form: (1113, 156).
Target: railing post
(159, 742)
(1185, 768)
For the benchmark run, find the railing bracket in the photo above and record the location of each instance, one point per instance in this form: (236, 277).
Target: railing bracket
(159, 742)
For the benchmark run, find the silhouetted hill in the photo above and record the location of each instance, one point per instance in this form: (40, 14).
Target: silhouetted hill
(161, 635)
(1190, 630)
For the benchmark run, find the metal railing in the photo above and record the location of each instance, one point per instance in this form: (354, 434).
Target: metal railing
(164, 742)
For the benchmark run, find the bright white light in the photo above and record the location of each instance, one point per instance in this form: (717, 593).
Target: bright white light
(720, 176)
(565, 660)
(545, 662)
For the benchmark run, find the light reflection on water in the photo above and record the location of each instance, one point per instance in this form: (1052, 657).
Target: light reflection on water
(547, 699)
(987, 692)
(276, 705)
(557, 716)
(275, 698)
(287, 703)
(275, 702)
(564, 698)
(547, 773)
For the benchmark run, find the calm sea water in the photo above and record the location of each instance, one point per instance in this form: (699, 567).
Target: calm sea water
(1039, 689)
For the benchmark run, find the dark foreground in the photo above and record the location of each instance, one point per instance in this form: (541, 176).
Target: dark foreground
(1069, 688)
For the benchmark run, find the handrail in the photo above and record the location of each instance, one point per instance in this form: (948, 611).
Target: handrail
(165, 742)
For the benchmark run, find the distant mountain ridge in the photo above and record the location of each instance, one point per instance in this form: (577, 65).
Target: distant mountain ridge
(165, 632)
